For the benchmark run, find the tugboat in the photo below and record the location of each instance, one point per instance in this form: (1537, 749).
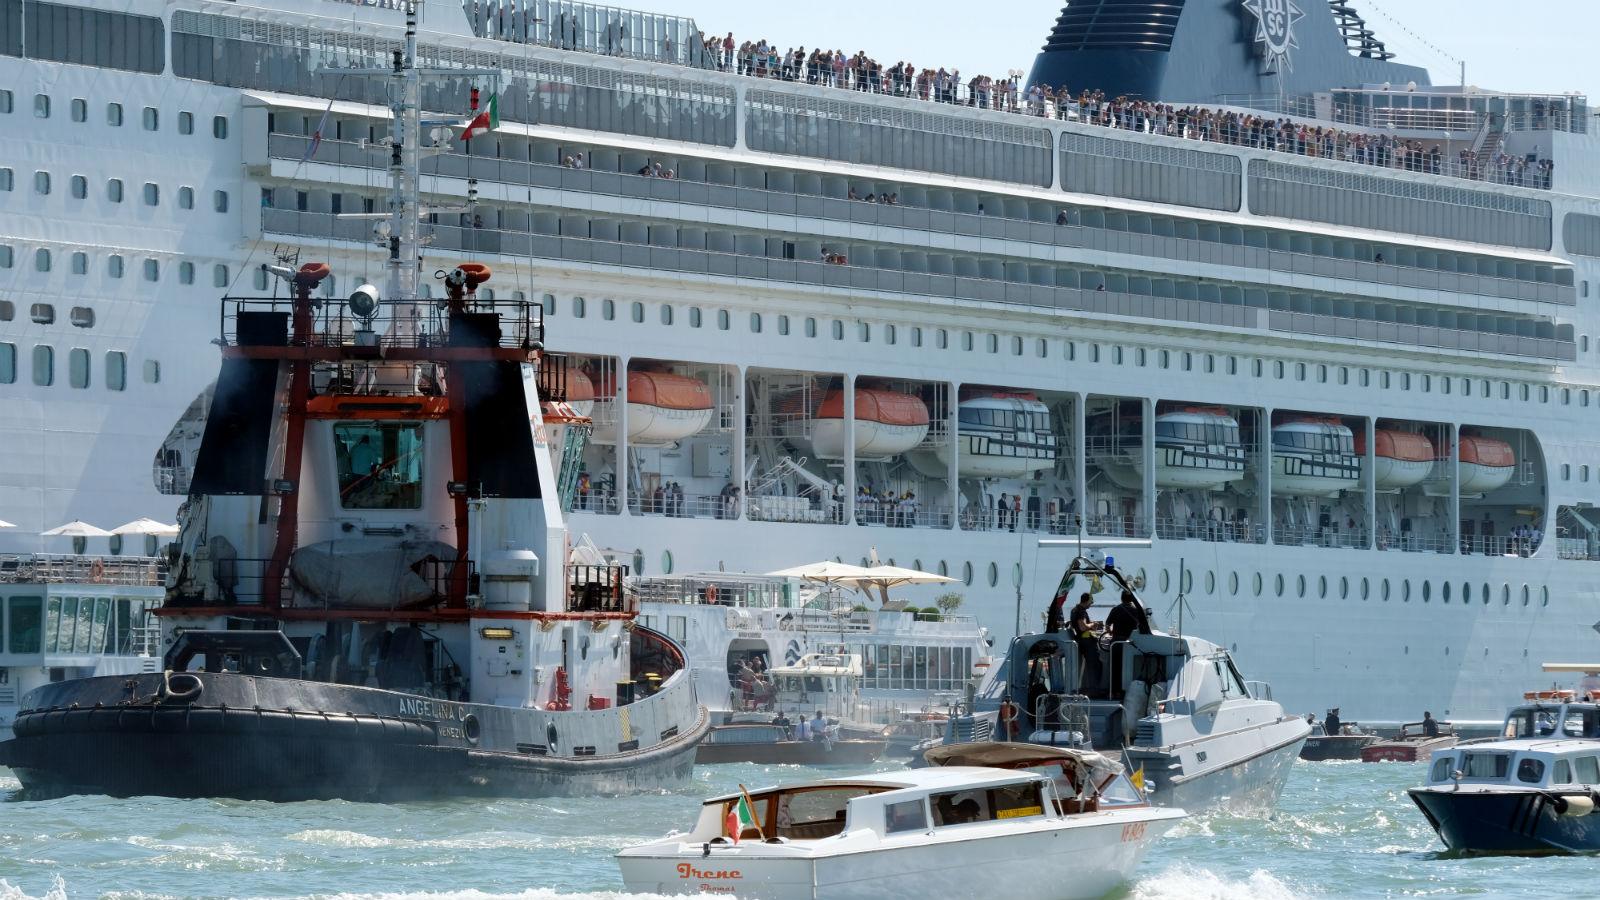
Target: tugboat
(370, 598)
(1532, 793)
(1174, 706)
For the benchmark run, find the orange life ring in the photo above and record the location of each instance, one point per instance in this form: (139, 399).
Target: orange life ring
(97, 571)
(711, 593)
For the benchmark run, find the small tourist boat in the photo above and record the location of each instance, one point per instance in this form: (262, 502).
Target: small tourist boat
(1076, 829)
(1410, 745)
(1532, 793)
(1346, 745)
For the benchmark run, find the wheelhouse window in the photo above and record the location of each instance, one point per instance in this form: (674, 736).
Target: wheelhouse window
(1012, 801)
(27, 621)
(379, 464)
(912, 815)
(1530, 771)
(1485, 765)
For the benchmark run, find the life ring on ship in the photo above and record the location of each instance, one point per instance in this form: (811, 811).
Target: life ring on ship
(711, 593)
(97, 571)
(1008, 718)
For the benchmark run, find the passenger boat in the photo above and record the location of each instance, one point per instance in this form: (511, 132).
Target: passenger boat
(774, 743)
(370, 598)
(1534, 792)
(1174, 705)
(1410, 745)
(1073, 828)
(823, 687)
(1313, 456)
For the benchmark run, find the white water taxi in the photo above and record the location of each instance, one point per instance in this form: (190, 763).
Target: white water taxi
(1074, 827)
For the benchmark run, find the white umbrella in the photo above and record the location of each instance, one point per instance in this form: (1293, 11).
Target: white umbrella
(75, 528)
(5, 524)
(826, 572)
(885, 577)
(145, 526)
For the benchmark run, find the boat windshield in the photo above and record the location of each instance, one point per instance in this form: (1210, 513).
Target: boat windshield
(1491, 766)
(1547, 721)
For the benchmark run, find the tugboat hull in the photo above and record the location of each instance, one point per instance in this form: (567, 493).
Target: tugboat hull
(286, 740)
(1506, 822)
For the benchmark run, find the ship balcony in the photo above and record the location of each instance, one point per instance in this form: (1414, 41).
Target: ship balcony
(1024, 220)
(719, 254)
(77, 568)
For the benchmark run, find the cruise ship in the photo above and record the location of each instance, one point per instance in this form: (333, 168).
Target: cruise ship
(1239, 282)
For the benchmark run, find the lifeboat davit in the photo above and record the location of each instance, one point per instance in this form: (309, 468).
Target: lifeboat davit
(1313, 456)
(1001, 434)
(1486, 464)
(663, 407)
(888, 423)
(1400, 459)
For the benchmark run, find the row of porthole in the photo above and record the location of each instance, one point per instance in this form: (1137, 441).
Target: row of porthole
(1446, 594)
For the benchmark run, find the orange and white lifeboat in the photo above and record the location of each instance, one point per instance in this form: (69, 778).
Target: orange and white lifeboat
(1486, 464)
(580, 392)
(1400, 459)
(888, 423)
(663, 407)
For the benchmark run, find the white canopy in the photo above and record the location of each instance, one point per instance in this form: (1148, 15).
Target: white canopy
(5, 524)
(826, 572)
(76, 528)
(895, 576)
(144, 525)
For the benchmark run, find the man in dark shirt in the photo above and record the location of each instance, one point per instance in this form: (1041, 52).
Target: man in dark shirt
(1331, 724)
(1088, 641)
(1126, 618)
(1430, 727)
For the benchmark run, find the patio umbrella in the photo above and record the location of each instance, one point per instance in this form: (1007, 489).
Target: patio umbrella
(885, 577)
(828, 572)
(146, 526)
(75, 528)
(5, 524)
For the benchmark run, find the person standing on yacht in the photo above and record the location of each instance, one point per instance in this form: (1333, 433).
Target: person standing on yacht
(1086, 634)
(1430, 726)
(1126, 618)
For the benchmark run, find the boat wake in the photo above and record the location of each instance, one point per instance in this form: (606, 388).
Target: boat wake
(1190, 883)
(58, 891)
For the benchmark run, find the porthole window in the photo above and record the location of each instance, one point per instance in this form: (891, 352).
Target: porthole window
(1256, 583)
(916, 336)
(78, 368)
(186, 198)
(694, 317)
(1186, 581)
(864, 332)
(186, 272)
(966, 341)
(185, 122)
(152, 270)
(1300, 586)
(114, 115)
(888, 334)
(114, 265)
(943, 339)
(1166, 581)
(41, 106)
(1385, 591)
(44, 365)
(114, 190)
(944, 568)
(666, 314)
(80, 263)
(966, 573)
(41, 260)
(41, 182)
(219, 201)
(994, 574)
(608, 309)
(151, 119)
(783, 325)
(79, 186)
(1405, 590)
(1211, 583)
(1505, 595)
(152, 371)
(80, 110)
(666, 562)
(1322, 587)
(1525, 595)
(724, 322)
(152, 194)
(991, 343)
(1544, 596)
(1278, 583)
(1233, 583)
(1366, 589)
(578, 307)
(1444, 591)
(811, 327)
(1344, 588)
(636, 311)
(219, 276)
(838, 329)
(1485, 593)
(219, 127)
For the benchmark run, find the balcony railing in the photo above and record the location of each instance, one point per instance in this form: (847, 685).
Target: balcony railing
(53, 568)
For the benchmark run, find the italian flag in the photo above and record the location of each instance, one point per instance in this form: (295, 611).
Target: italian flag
(487, 120)
(740, 817)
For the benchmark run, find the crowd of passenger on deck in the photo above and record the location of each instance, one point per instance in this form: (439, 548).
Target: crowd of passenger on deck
(832, 68)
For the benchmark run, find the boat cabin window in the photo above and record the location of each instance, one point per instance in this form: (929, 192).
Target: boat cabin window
(1530, 771)
(1012, 801)
(1588, 769)
(1563, 773)
(1441, 769)
(380, 464)
(1485, 765)
(912, 815)
(1232, 684)
(27, 622)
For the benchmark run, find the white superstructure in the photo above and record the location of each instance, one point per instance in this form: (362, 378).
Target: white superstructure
(1058, 296)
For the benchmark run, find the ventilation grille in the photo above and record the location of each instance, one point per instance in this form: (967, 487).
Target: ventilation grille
(1115, 25)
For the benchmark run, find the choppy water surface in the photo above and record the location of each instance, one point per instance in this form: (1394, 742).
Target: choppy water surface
(1343, 829)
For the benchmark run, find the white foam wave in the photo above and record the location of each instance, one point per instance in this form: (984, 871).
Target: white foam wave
(328, 837)
(530, 894)
(56, 891)
(1188, 883)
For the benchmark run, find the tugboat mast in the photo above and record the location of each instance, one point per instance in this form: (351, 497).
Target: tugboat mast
(405, 166)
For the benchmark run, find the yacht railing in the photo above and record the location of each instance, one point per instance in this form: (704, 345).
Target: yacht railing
(52, 568)
(1211, 530)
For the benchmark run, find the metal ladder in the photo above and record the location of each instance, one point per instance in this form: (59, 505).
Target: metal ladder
(572, 444)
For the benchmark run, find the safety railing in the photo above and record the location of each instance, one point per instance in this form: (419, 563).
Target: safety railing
(392, 324)
(75, 568)
(1319, 536)
(1207, 529)
(899, 514)
(598, 589)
